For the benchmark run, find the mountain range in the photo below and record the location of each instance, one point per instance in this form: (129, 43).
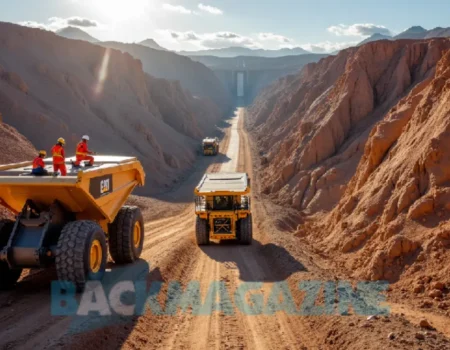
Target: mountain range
(236, 51)
(415, 32)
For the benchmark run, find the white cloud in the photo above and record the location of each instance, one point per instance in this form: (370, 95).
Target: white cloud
(55, 23)
(271, 41)
(81, 22)
(183, 36)
(359, 29)
(215, 40)
(327, 46)
(210, 9)
(177, 8)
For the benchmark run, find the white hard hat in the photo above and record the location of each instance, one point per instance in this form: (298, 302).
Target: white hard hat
(85, 137)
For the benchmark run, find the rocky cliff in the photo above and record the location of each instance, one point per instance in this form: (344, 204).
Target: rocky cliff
(360, 140)
(52, 87)
(314, 126)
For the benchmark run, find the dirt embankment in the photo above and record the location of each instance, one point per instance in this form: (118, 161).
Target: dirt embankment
(359, 143)
(15, 148)
(54, 87)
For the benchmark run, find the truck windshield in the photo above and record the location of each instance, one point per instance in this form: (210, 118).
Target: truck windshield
(223, 203)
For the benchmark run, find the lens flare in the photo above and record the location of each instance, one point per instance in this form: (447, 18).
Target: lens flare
(103, 73)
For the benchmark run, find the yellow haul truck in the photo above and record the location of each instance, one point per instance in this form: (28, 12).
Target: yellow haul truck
(222, 206)
(69, 221)
(210, 146)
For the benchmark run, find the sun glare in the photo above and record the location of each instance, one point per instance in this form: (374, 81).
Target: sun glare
(119, 10)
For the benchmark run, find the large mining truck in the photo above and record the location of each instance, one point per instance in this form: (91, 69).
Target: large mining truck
(210, 146)
(222, 206)
(69, 221)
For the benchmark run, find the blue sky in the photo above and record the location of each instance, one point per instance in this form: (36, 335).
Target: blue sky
(316, 25)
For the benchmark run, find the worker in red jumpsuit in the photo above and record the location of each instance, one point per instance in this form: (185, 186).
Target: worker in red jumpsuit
(59, 157)
(83, 152)
(39, 165)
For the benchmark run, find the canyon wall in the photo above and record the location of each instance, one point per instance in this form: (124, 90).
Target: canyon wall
(54, 87)
(359, 144)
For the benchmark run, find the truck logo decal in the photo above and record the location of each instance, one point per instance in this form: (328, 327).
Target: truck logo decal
(101, 186)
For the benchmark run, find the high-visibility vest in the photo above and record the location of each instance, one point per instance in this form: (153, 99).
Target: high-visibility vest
(58, 154)
(82, 149)
(38, 163)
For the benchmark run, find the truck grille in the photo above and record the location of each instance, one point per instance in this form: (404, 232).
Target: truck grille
(222, 225)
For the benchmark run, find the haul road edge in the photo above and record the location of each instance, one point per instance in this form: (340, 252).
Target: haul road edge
(69, 221)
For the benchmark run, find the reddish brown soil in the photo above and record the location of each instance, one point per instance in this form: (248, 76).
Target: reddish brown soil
(357, 145)
(170, 248)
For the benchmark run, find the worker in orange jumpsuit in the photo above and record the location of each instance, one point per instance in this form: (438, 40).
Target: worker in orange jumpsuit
(59, 157)
(83, 152)
(39, 165)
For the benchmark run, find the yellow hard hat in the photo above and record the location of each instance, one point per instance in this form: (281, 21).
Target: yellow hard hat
(42, 153)
(61, 141)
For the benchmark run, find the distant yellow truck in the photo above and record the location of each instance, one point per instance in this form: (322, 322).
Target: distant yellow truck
(69, 221)
(210, 146)
(222, 206)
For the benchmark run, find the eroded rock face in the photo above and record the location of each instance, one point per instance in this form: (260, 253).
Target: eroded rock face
(53, 87)
(314, 126)
(363, 139)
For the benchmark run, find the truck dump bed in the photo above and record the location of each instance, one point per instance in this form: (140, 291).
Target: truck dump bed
(223, 183)
(94, 193)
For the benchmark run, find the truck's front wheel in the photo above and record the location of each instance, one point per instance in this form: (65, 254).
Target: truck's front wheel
(81, 254)
(126, 236)
(201, 231)
(246, 230)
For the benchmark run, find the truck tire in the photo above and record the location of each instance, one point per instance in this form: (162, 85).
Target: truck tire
(246, 230)
(81, 254)
(201, 231)
(126, 236)
(8, 276)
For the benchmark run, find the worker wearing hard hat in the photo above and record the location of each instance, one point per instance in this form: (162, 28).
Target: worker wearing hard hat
(59, 157)
(83, 152)
(39, 165)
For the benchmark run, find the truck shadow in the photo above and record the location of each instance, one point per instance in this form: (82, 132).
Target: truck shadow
(256, 262)
(77, 330)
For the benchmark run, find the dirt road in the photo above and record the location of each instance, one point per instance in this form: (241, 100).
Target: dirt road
(274, 262)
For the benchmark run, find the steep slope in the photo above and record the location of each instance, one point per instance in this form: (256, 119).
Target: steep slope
(16, 148)
(361, 140)
(394, 214)
(152, 44)
(312, 127)
(244, 51)
(51, 87)
(76, 34)
(194, 76)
